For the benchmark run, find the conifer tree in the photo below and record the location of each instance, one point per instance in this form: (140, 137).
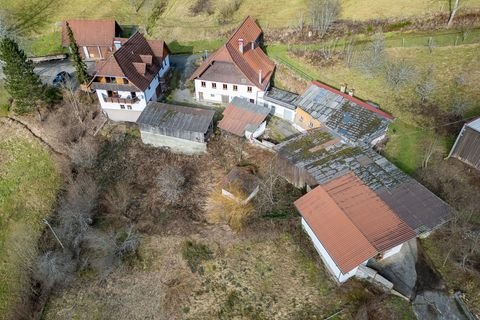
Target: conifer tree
(21, 82)
(80, 66)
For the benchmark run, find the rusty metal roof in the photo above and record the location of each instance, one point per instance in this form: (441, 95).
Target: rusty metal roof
(251, 63)
(351, 221)
(467, 145)
(343, 241)
(239, 114)
(91, 32)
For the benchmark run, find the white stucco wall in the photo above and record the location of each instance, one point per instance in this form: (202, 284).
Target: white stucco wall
(215, 94)
(175, 144)
(278, 110)
(331, 266)
(392, 251)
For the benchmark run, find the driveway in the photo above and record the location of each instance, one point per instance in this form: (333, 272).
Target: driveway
(49, 69)
(185, 65)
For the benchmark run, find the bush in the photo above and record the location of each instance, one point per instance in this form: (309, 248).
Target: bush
(201, 6)
(195, 253)
(226, 10)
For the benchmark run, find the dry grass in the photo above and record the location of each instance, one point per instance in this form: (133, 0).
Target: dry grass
(228, 211)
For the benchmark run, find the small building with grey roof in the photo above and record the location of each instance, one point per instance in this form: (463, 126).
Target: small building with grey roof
(467, 145)
(181, 129)
(281, 103)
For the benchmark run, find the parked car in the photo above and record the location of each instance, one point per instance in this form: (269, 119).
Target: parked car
(61, 79)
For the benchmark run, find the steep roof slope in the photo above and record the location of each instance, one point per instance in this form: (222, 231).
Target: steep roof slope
(137, 59)
(91, 32)
(253, 63)
(467, 145)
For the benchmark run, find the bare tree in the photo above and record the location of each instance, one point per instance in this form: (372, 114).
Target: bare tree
(327, 49)
(84, 153)
(171, 184)
(453, 11)
(398, 74)
(54, 267)
(323, 14)
(426, 86)
(372, 59)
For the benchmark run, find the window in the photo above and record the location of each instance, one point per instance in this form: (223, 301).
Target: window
(225, 87)
(249, 89)
(252, 100)
(122, 106)
(129, 107)
(134, 95)
(204, 84)
(214, 85)
(212, 95)
(311, 124)
(235, 87)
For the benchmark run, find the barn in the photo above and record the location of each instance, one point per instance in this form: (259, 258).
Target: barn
(467, 145)
(181, 129)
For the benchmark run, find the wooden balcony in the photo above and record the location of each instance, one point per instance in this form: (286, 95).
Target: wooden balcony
(121, 100)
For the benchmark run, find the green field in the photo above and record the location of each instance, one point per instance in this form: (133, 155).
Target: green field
(28, 185)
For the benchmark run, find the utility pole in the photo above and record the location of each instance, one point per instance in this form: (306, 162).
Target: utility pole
(54, 234)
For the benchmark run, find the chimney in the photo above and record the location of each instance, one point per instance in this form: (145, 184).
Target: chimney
(260, 76)
(343, 87)
(253, 45)
(351, 92)
(240, 45)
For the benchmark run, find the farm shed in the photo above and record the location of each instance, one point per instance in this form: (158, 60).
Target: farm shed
(244, 119)
(240, 184)
(467, 145)
(182, 129)
(349, 225)
(320, 156)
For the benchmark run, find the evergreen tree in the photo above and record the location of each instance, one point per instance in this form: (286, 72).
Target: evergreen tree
(80, 66)
(20, 81)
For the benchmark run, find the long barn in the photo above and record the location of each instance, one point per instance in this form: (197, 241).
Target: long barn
(467, 145)
(181, 129)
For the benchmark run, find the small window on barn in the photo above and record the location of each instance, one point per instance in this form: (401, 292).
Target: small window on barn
(129, 107)
(311, 124)
(204, 84)
(252, 100)
(122, 106)
(212, 95)
(214, 85)
(225, 86)
(249, 89)
(235, 87)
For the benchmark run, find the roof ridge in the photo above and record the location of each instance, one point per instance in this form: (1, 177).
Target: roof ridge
(238, 28)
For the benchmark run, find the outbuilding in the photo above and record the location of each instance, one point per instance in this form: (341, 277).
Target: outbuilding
(349, 225)
(467, 145)
(281, 103)
(181, 129)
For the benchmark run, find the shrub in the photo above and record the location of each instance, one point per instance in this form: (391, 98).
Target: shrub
(226, 10)
(195, 253)
(226, 210)
(201, 6)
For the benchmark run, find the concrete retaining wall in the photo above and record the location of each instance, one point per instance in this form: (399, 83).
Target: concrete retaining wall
(175, 144)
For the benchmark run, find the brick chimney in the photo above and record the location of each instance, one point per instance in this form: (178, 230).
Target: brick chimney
(240, 45)
(343, 87)
(351, 92)
(260, 76)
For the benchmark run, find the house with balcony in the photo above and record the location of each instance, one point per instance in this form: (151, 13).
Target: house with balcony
(131, 77)
(239, 68)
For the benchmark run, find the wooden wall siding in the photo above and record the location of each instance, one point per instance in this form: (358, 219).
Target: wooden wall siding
(295, 174)
(182, 134)
(468, 148)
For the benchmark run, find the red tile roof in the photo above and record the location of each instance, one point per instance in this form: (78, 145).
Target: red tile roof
(128, 61)
(239, 114)
(91, 32)
(251, 62)
(351, 221)
(353, 99)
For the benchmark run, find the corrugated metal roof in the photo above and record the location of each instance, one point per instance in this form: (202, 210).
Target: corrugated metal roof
(239, 114)
(343, 241)
(250, 62)
(475, 124)
(176, 117)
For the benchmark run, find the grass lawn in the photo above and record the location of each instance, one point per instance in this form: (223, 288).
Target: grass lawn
(28, 185)
(3, 101)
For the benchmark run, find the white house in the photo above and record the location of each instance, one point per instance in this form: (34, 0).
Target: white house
(131, 77)
(240, 68)
(349, 225)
